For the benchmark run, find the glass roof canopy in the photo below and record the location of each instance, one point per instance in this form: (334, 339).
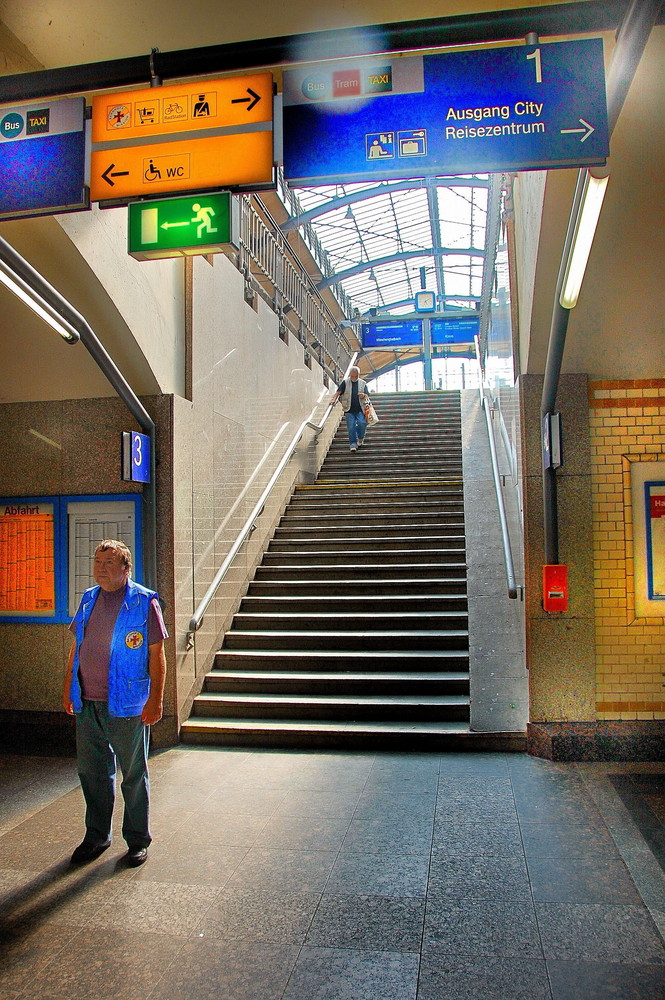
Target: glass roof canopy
(384, 241)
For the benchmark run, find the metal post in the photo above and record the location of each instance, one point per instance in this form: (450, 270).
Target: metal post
(427, 353)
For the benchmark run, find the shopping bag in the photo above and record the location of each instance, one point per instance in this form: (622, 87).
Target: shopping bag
(370, 415)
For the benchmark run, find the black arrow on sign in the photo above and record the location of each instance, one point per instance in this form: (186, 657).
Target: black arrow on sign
(250, 101)
(107, 175)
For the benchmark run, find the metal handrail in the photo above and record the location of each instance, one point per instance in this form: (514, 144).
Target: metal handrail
(507, 551)
(250, 524)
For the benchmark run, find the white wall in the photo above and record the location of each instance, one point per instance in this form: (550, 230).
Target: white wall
(149, 295)
(250, 393)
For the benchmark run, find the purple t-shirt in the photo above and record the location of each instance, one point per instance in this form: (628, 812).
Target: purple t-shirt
(95, 650)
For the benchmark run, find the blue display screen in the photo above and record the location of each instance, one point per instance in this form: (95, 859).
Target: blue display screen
(454, 329)
(407, 334)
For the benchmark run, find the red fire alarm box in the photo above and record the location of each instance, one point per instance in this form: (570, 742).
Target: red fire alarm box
(555, 587)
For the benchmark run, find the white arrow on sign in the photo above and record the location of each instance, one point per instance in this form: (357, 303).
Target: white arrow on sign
(171, 225)
(588, 129)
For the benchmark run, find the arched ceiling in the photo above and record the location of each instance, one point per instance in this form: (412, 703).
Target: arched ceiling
(383, 242)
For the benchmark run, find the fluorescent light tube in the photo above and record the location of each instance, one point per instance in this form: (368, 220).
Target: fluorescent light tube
(585, 229)
(21, 289)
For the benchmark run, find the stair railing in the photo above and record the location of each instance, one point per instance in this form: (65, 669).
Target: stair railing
(250, 524)
(496, 475)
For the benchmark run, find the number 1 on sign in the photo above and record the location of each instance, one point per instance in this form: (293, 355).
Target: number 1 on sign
(535, 55)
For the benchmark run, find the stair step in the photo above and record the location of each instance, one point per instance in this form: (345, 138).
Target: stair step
(393, 639)
(377, 491)
(344, 604)
(346, 683)
(390, 557)
(364, 530)
(432, 708)
(361, 620)
(371, 736)
(361, 571)
(375, 544)
(353, 586)
(317, 660)
(359, 518)
(396, 506)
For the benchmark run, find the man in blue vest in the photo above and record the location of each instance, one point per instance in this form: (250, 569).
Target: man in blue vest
(114, 685)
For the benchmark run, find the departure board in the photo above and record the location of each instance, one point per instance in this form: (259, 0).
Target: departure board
(27, 559)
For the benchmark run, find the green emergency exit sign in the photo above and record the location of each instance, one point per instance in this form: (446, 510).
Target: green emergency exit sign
(179, 227)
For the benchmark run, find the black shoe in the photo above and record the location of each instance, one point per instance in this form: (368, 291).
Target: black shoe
(87, 851)
(136, 856)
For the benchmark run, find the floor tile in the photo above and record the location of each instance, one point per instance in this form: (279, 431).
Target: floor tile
(230, 830)
(314, 802)
(478, 877)
(450, 977)
(567, 839)
(157, 907)
(464, 839)
(296, 871)
(407, 835)
(232, 970)
(599, 933)
(373, 923)
(482, 927)
(260, 915)
(378, 803)
(355, 873)
(323, 833)
(344, 974)
(606, 981)
(582, 880)
(25, 951)
(200, 864)
(98, 965)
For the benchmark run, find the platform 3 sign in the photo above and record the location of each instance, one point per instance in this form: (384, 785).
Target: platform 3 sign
(487, 110)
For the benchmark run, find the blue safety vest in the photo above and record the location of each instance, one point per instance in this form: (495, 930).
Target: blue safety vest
(129, 679)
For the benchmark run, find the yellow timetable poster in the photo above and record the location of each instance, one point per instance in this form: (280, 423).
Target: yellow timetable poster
(27, 579)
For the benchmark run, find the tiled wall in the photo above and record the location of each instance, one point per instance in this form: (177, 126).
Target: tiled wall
(627, 421)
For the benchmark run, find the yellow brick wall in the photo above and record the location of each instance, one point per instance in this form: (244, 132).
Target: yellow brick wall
(627, 420)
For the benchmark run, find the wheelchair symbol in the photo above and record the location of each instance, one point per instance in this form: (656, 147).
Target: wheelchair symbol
(153, 173)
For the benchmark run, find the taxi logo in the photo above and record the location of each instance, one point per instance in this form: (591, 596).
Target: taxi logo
(379, 80)
(38, 122)
(134, 640)
(119, 116)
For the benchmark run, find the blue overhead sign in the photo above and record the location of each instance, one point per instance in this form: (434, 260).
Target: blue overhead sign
(454, 330)
(488, 110)
(42, 158)
(392, 333)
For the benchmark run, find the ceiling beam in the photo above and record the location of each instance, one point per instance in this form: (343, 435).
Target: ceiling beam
(379, 191)
(549, 20)
(367, 265)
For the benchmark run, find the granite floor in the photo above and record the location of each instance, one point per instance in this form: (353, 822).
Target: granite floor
(341, 876)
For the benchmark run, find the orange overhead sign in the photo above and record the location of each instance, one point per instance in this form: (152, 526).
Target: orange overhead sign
(186, 137)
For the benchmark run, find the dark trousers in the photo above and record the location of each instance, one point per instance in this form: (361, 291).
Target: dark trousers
(101, 740)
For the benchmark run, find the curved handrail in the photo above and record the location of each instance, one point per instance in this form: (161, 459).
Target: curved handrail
(197, 618)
